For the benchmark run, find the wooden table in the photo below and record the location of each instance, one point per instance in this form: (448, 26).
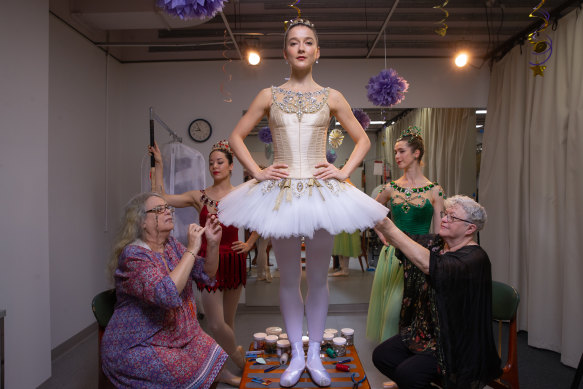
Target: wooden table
(340, 379)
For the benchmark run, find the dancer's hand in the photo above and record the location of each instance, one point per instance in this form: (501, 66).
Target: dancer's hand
(327, 170)
(272, 172)
(241, 247)
(155, 151)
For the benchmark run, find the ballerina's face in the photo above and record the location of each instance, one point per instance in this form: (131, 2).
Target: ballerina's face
(404, 154)
(301, 47)
(219, 165)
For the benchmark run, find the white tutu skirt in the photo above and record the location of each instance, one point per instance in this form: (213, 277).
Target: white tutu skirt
(298, 207)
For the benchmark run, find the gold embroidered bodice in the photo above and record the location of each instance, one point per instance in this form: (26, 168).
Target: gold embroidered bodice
(299, 123)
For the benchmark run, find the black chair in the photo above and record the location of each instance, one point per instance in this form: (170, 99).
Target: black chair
(102, 306)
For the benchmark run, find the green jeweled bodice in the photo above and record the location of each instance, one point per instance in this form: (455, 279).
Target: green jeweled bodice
(411, 208)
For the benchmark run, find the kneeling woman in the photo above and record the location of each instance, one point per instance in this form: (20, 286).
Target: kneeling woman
(446, 315)
(153, 339)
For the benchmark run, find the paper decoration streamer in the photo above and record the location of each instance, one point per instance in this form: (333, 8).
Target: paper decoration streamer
(443, 29)
(299, 11)
(191, 9)
(542, 44)
(362, 118)
(387, 88)
(228, 76)
(335, 138)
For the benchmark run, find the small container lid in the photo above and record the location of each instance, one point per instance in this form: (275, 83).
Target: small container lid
(283, 343)
(272, 338)
(283, 336)
(332, 330)
(305, 339)
(347, 331)
(273, 330)
(259, 335)
(339, 341)
(328, 336)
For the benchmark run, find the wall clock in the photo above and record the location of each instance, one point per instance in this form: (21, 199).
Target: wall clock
(200, 130)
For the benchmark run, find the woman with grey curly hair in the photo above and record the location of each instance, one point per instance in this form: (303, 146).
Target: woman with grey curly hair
(153, 338)
(445, 325)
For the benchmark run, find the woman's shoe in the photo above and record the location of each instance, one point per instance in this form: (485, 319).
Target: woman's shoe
(292, 374)
(314, 365)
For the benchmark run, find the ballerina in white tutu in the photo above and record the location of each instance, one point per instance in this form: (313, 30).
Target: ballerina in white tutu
(301, 194)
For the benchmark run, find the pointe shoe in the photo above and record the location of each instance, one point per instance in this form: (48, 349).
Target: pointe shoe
(340, 273)
(292, 374)
(314, 365)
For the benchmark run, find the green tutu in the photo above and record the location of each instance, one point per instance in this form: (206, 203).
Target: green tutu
(386, 296)
(347, 244)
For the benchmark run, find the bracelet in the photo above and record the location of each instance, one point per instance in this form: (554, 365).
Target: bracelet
(191, 252)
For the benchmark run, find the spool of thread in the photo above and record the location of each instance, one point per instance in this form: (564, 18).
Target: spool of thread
(341, 367)
(283, 359)
(330, 353)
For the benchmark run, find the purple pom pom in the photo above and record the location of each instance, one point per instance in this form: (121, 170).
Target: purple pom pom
(190, 9)
(387, 88)
(362, 117)
(265, 135)
(331, 156)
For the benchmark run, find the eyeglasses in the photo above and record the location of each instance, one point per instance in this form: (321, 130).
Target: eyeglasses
(450, 218)
(160, 209)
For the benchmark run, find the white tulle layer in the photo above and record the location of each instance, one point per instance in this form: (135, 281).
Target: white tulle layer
(335, 208)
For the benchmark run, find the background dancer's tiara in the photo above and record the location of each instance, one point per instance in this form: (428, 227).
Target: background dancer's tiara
(222, 145)
(412, 132)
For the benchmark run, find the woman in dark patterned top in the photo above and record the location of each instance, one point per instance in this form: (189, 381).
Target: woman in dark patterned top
(446, 316)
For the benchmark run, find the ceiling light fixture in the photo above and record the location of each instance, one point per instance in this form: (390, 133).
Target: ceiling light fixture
(461, 59)
(253, 57)
(252, 51)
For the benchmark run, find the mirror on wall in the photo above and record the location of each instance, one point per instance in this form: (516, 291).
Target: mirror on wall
(456, 165)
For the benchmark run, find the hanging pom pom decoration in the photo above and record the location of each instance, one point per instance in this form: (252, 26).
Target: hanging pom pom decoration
(331, 156)
(362, 118)
(335, 138)
(542, 44)
(441, 31)
(265, 135)
(191, 9)
(387, 88)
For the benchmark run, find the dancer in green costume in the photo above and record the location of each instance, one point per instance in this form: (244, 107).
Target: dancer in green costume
(414, 201)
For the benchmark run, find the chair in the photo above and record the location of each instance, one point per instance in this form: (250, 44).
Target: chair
(505, 301)
(363, 250)
(102, 306)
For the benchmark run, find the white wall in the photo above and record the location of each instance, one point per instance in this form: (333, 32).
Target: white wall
(79, 223)
(24, 225)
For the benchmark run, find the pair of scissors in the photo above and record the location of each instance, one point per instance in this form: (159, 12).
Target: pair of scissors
(355, 384)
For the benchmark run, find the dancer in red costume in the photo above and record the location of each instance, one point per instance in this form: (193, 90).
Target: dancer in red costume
(220, 301)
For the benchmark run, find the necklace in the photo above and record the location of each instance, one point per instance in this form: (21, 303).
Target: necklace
(408, 192)
(208, 201)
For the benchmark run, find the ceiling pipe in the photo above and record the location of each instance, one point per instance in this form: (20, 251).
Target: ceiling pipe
(231, 34)
(382, 28)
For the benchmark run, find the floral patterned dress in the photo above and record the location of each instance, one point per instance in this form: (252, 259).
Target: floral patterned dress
(153, 339)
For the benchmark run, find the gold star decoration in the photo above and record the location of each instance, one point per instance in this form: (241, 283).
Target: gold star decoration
(335, 138)
(538, 70)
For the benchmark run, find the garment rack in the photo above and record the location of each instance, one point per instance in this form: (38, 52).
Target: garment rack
(154, 116)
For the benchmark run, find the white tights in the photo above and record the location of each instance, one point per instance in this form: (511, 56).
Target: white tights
(318, 252)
